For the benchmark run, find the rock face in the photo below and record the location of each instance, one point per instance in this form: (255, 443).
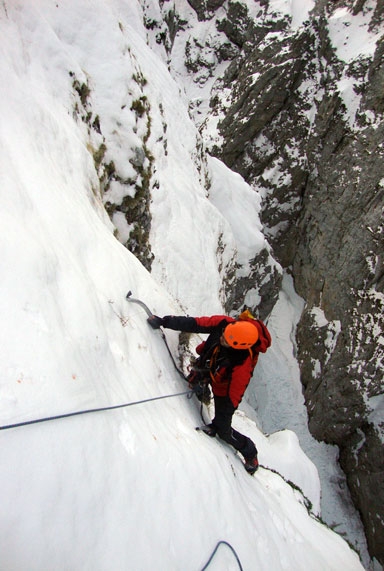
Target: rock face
(305, 125)
(338, 266)
(205, 9)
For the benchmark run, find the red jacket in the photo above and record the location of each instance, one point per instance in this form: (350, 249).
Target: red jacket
(233, 380)
(230, 369)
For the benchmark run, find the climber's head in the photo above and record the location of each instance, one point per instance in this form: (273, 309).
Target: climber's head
(240, 334)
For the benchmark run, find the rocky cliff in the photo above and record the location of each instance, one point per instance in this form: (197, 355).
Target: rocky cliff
(298, 112)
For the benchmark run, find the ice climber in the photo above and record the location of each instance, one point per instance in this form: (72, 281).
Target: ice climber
(226, 361)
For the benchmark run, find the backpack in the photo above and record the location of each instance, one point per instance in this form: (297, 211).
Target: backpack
(265, 339)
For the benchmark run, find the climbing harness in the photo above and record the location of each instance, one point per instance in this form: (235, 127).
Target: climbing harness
(214, 553)
(87, 411)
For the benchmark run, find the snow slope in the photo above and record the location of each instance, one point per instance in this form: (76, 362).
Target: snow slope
(136, 488)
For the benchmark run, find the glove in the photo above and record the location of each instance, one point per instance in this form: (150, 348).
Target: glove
(155, 322)
(202, 392)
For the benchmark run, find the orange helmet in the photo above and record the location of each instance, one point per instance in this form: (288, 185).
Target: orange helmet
(240, 334)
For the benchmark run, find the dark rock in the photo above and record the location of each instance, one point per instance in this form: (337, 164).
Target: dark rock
(205, 9)
(366, 480)
(287, 130)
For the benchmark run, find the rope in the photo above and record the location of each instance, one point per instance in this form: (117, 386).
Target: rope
(68, 414)
(164, 338)
(172, 357)
(214, 553)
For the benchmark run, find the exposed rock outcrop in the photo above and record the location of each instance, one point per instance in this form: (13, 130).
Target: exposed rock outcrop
(305, 125)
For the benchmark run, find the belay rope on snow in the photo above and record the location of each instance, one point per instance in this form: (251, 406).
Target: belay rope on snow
(112, 407)
(215, 551)
(87, 411)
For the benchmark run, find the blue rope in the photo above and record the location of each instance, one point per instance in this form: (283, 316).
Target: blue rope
(214, 553)
(46, 419)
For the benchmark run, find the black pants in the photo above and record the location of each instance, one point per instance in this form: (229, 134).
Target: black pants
(224, 411)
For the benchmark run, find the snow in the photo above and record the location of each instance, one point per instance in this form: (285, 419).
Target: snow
(376, 416)
(333, 329)
(351, 35)
(233, 197)
(297, 10)
(353, 40)
(138, 487)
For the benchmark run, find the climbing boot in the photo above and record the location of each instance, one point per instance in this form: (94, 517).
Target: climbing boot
(208, 429)
(251, 464)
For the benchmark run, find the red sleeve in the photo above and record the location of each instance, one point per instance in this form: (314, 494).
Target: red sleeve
(195, 324)
(241, 375)
(213, 321)
(200, 347)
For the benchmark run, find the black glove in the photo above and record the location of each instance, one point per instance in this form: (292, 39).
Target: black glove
(202, 391)
(155, 322)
